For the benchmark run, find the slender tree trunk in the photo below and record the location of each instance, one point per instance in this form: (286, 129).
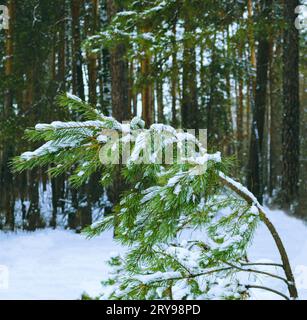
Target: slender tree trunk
(255, 177)
(91, 26)
(174, 78)
(291, 107)
(159, 91)
(228, 56)
(62, 48)
(275, 118)
(147, 89)
(77, 61)
(55, 202)
(33, 214)
(240, 111)
(106, 70)
(7, 197)
(190, 108)
(120, 103)
(119, 73)
(251, 37)
(8, 99)
(252, 81)
(132, 91)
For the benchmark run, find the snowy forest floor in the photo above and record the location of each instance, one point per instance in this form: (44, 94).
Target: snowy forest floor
(59, 264)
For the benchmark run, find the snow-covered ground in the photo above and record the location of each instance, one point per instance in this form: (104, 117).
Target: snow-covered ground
(58, 264)
(294, 236)
(54, 264)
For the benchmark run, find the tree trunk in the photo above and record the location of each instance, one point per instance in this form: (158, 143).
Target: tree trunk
(252, 81)
(255, 176)
(291, 107)
(159, 91)
(190, 107)
(132, 91)
(119, 73)
(240, 129)
(62, 48)
(174, 78)
(77, 61)
(7, 198)
(147, 90)
(92, 23)
(120, 103)
(275, 118)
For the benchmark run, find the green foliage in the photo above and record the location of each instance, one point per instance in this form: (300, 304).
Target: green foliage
(66, 146)
(163, 204)
(161, 29)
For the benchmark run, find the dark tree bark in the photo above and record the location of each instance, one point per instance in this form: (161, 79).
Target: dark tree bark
(159, 94)
(190, 109)
(147, 86)
(91, 24)
(291, 107)
(255, 178)
(7, 198)
(120, 104)
(62, 47)
(119, 73)
(174, 78)
(275, 117)
(77, 61)
(33, 217)
(240, 108)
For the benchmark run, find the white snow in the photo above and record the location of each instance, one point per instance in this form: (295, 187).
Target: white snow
(157, 276)
(43, 126)
(49, 147)
(81, 173)
(157, 127)
(59, 264)
(150, 193)
(73, 97)
(73, 124)
(177, 189)
(243, 189)
(293, 233)
(137, 123)
(203, 159)
(54, 264)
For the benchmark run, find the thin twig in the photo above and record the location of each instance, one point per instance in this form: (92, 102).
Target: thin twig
(191, 276)
(257, 271)
(267, 289)
(262, 264)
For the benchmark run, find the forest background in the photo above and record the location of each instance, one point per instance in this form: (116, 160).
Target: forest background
(235, 68)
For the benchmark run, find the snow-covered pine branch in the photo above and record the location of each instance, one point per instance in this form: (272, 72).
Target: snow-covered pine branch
(188, 224)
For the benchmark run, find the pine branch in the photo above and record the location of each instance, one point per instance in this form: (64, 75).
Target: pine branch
(249, 198)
